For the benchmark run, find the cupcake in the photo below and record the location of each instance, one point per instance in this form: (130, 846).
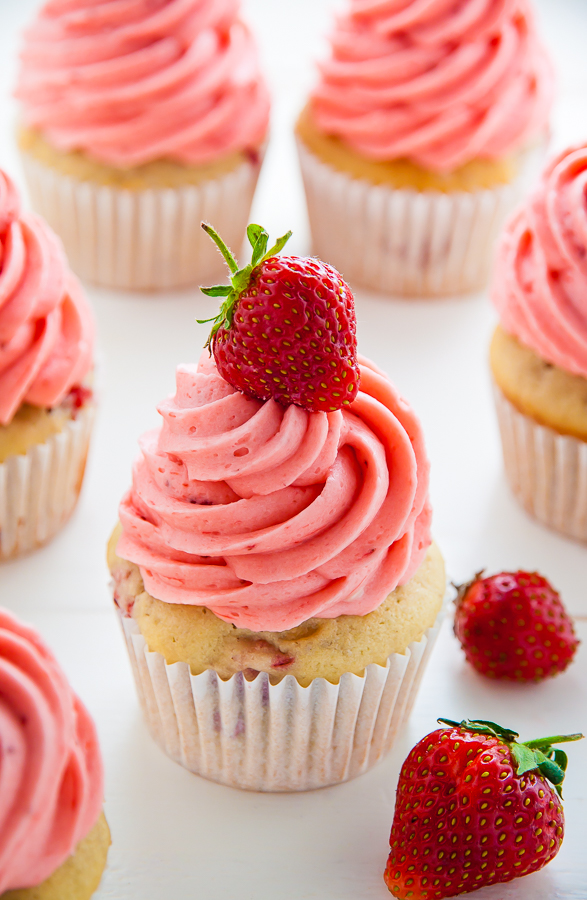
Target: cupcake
(273, 568)
(46, 400)
(53, 835)
(539, 349)
(419, 139)
(137, 121)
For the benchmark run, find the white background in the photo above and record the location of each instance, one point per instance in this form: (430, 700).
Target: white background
(175, 835)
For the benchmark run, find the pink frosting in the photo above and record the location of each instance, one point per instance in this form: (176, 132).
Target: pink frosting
(130, 81)
(46, 326)
(440, 82)
(270, 515)
(51, 780)
(540, 282)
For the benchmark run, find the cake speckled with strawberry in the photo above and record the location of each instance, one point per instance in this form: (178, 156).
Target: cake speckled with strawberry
(278, 521)
(475, 807)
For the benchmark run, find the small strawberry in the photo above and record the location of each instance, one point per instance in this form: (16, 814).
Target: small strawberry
(287, 328)
(514, 626)
(473, 808)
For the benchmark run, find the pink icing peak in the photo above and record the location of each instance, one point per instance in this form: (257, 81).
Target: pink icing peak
(540, 282)
(46, 326)
(440, 82)
(268, 515)
(51, 779)
(131, 81)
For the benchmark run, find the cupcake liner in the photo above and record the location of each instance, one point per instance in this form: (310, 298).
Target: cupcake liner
(39, 490)
(146, 239)
(276, 737)
(547, 471)
(403, 241)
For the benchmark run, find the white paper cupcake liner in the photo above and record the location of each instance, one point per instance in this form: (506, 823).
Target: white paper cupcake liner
(547, 471)
(145, 239)
(39, 490)
(402, 241)
(276, 737)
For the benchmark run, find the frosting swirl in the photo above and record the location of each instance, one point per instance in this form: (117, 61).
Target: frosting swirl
(540, 282)
(51, 780)
(46, 326)
(133, 81)
(270, 515)
(439, 82)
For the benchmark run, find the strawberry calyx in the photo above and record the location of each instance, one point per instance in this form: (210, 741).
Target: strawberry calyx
(240, 277)
(538, 754)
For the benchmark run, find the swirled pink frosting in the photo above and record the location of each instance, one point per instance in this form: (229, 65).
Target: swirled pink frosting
(540, 281)
(270, 515)
(440, 82)
(51, 780)
(46, 326)
(131, 81)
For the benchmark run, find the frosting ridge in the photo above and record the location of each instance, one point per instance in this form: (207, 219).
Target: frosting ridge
(270, 515)
(132, 81)
(46, 326)
(439, 82)
(51, 779)
(540, 282)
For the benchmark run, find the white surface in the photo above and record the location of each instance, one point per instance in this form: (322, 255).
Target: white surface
(175, 835)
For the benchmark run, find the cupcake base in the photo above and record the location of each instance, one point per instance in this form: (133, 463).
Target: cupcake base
(404, 241)
(39, 489)
(276, 737)
(144, 239)
(547, 471)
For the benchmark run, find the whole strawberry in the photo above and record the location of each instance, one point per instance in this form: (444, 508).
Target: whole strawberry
(473, 808)
(287, 328)
(514, 626)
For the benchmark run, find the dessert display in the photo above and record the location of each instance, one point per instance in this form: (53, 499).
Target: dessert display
(539, 350)
(54, 838)
(46, 399)
(137, 121)
(475, 807)
(274, 571)
(419, 138)
(514, 626)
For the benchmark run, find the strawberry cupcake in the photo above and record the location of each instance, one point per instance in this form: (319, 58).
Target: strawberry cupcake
(539, 349)
(138, 119)
(54, 838)
(419, 138)
(46, 400)
(273, 568)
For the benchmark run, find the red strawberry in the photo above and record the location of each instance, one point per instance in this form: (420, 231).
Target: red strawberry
(514, 626)
(287, 328)
(473, 808)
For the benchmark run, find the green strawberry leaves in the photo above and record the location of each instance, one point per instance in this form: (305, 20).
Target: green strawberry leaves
(538, 754)
(258, 239)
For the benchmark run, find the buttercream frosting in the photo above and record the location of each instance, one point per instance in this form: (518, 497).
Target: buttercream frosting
(46, 326)
(132, 81)
(439, 82)
(51, 780)
(540, 281)
(270, 515)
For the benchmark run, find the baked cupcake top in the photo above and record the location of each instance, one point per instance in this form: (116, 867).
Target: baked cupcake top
(51, 780)
(439, 83)
(540, 281)
(269, 515)
(139, 80)
(46, 325)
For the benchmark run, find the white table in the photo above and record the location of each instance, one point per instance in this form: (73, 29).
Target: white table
(176, 835)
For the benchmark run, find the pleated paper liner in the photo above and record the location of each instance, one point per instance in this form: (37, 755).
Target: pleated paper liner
(276, 737)
(39, 490)
(547, 471)
(401, 241)
(144, 239)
